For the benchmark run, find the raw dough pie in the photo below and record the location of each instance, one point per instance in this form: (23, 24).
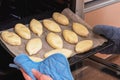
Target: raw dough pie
(36, 27)
(66, 52)
(33, 46)
(22, 31)
(83, 46)
(51, 25)
(11, 38)
(80, 29)
(70, 36)
(54, 40)
(60, 18)
(36, 59)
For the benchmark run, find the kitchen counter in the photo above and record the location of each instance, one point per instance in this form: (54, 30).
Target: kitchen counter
(93, 5)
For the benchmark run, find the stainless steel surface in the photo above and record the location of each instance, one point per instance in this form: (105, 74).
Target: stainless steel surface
(77, 6)
(85, 1)
(98, 4)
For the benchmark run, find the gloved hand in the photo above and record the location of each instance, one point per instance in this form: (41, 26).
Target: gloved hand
(113, 34)
(56, 66)
(37, 74)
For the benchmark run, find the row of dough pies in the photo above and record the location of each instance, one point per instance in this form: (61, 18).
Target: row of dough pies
(54, 40)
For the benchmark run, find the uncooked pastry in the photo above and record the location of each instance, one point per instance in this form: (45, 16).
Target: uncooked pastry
(54, 40)
(35, 59)
(11, 38)
(83, 46)
(33, 46)
(66, 52)
(60, 18)
(22, 31)
(70, 36)
(80, 29)
(36, 27)
(51, 25)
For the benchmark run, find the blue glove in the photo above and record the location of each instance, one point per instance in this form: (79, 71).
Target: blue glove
(113, 34)
(56, 66)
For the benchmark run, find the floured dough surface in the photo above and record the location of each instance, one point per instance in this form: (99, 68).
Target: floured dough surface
(11, 38)
(66, 52)
(22, 31)
(70, 36)
(54, 40)
(80, 29)
(33, 46)
(51, 25)
(60, 18)
(83, 46)
(36, 27)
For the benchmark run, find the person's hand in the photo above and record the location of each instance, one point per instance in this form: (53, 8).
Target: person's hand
(112, 33)
(49, 66)
(37, 74)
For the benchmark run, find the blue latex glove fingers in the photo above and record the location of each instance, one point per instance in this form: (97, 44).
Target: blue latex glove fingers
(111, 33)
(24, 62)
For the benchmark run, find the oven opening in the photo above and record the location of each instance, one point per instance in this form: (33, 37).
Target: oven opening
(18, 9)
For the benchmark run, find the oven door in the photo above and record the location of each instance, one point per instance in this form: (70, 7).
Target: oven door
(92, 70)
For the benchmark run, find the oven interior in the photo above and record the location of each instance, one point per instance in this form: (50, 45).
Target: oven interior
(18, 9)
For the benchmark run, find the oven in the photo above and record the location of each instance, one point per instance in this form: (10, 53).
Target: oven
(18, 9)
(13, 11)
(83, 67)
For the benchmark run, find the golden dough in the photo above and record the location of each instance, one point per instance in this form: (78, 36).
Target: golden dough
(33, 46)
(60, 18)
(36, 27)
(54, 40)
(83, 46)
(11, 38)
(35, 59)
(80, 29)
(22, 31)
(66, 52)
(70, 36)
(51, 25)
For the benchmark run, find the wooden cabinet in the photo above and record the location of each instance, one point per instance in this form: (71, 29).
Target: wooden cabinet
(109, 15)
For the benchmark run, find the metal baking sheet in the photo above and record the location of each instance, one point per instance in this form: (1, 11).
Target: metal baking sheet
(16, 50)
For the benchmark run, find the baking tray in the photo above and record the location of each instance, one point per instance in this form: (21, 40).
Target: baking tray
(80, 57)
(98, 40)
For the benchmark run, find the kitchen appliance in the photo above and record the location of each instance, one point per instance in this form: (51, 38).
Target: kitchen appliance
(14, 11)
